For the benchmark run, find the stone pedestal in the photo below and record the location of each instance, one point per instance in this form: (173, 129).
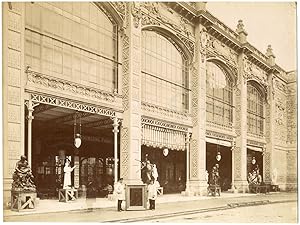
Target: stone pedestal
(21, 200)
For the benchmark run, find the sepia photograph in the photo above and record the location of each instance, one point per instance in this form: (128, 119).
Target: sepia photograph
(149, 112)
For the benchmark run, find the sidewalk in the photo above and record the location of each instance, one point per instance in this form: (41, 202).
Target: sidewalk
(166, 204)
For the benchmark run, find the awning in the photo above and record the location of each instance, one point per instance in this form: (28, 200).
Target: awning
(218, 142)
(258, 149)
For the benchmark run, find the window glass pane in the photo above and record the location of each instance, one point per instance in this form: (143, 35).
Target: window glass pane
(219, 88)
(165, 64)
(255, 110)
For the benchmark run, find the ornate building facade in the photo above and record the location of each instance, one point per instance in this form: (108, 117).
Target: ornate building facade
(142, 78)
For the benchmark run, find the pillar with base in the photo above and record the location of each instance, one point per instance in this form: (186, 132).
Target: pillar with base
(240, 150)
(130, 132)
(197, 184)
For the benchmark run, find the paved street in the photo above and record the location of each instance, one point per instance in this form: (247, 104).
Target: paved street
(278, 207)
(275, 213)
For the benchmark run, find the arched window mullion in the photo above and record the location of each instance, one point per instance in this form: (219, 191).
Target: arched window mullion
(255, 111)
(167, 67)
(219, 89)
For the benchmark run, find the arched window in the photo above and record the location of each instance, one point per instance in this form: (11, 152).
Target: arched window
(219, 100)
(255, 110)
(164, 73)
(72, 41)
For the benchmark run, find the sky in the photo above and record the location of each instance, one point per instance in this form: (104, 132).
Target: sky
(267, 23)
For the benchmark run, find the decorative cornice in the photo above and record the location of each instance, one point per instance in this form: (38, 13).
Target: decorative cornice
(163, 124)
(256, 143)
(219, 136)
(68, 86)
(164, 112)
(150, 15)
(70, 104)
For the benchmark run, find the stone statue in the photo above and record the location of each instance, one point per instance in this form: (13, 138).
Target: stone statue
(22, 177)
(67, 177)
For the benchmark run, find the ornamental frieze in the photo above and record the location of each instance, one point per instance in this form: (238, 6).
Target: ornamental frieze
(280, 85)
(252, 72)
(120, 7)
(256, 143)
(152, 14)
(220, 136)
(164, 124)
(164, 113)
(280, 111)
(58, 84)
(222, 50)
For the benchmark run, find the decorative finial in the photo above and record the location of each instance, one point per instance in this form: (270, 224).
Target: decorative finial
(240, 26)
(270, 51)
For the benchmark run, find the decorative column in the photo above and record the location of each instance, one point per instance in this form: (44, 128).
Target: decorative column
(130, 153)
(187, 142)
(240, 151)
(13, 28)
(270, 121)
(198, 183)
(115, 131)
(30, 117)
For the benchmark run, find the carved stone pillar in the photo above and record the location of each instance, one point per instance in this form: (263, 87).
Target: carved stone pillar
(13, 89)
(115, 131)
(130, 153)
(30, 106)
(269, 132)
(240, 150)
(187, 142)
(198, 184)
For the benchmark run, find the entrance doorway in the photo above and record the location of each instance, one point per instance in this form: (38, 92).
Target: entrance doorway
(53, 142)
(171, 168)
(257, 163)
(225, 164)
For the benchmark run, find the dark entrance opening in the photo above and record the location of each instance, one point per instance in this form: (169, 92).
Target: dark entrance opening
(53, 142)
(258, 161)
(225, 164)
(171, 168)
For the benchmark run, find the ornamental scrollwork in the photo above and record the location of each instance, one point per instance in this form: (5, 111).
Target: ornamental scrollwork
(203, 44)
(188, 43)
(120, 7)
(252, 72)
(163, 124)
(280, 110)
(136, 13)
(221, 50)
(280, 85)
(55, 83)
(219, 135)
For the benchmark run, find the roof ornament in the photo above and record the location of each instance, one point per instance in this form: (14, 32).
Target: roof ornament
(241, 31)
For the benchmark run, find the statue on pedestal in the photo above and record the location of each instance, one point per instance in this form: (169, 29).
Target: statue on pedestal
(22, 177)
(67, 177)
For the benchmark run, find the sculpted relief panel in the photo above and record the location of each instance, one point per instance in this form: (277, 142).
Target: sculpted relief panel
(253, 72)
(217, 48)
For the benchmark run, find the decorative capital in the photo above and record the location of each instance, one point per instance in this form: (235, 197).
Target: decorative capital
(136, 13)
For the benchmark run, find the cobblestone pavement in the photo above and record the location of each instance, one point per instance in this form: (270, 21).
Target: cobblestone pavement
(216, 204)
